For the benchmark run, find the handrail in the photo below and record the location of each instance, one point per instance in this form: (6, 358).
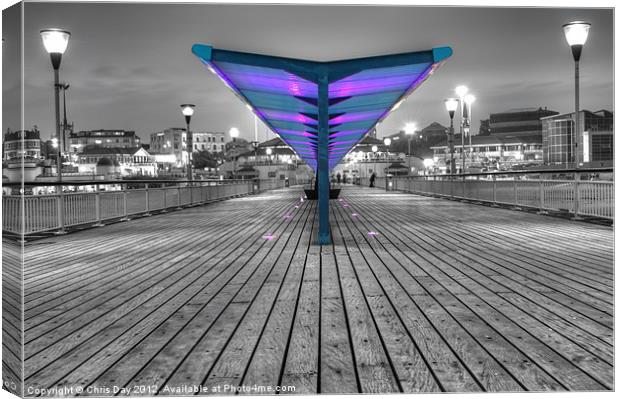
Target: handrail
(520, 172)
(102, 182)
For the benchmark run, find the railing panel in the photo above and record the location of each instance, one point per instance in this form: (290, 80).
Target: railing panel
(111, 204)
(596, 199)
(79, 208)
(559, 195)
(528, 193)
(136, 201)
(157, 199)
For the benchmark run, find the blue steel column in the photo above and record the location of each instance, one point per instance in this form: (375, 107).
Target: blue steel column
(323, 160)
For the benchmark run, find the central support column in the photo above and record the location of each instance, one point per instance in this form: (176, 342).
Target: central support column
(322, 171)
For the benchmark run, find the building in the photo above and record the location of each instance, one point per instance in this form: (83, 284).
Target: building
(21, 153)
(519, 122)
(502, 152)
(134, 161)
(22, 145)
(209, 141)
(272, 159)
(171, 141)
(595, 143)
(103, 138)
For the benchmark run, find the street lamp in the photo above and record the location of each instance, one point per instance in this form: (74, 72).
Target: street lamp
(461, 91)
(409, 131)
(188, 111)
(234, 133)
(451, 105)
(576, 33)
(387, 141)
(55, 42)
(469, 100)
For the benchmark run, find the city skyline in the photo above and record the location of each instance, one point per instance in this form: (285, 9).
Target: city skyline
(127, 78)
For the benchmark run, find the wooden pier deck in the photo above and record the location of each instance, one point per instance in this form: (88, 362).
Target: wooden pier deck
(416, 294)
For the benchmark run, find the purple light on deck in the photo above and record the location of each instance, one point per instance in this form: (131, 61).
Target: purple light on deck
(373, 233)
(346, 205)
(354, 214)
(269, 237)
(288, 216)
(296, 206)
(339, 199)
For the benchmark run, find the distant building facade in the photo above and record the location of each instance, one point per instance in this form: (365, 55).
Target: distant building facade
(134, 161)
(519, 122)
(209, 141)
(594, 144)
(173, 141)
(103, 138)
(23, 144)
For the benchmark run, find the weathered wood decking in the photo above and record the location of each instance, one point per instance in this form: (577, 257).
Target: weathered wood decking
(445, 297)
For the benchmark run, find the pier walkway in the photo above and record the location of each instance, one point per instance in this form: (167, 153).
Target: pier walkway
(416, 294)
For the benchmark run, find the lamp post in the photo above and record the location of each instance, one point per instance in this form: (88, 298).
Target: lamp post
(461, 91)
(188, 111)
(234, 133)
(409, 131)
(387, 141)
(576, 34)
(55, 42)
(469, 100)
(451, 106)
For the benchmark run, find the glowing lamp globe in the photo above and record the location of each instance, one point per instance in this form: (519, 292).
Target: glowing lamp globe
(461, 91)
(451, 104)
(55, 40)
(188, 109)
(576, 32)
(410, 128)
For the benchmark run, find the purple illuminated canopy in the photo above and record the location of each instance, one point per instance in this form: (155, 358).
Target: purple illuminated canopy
(284, 93)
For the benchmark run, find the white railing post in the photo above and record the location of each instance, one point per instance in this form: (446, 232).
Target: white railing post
(514, 189)
(124, 190)
(165, 191)
(191, 193)
(495, 191)
(61, 210)
(146, 199)
(541, 195)
(179, 207)
(97, 207)
(576, 195)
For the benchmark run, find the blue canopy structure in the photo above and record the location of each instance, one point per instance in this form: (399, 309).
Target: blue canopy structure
(322, 109)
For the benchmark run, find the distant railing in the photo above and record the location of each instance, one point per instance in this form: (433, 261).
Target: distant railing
(94, 202)
(577, 192)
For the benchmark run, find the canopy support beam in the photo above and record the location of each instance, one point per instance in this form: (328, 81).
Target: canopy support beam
(324, 237)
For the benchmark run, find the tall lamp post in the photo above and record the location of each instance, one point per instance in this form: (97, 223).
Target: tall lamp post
(55, 42)
(451, 106)
(461, 91)
(188, 111)
(576, 34)
(469, 100)
(409, 131)
(234, 133)
(387, 141)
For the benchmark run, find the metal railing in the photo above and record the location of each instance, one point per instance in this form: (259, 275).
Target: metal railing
(94, 202)
(575, 192)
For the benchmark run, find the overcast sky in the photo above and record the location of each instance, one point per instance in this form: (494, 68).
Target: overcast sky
(130, 65)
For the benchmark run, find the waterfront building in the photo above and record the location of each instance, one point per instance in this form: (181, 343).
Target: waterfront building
(103, 138)
(21, 153)
(595, 143)
(519, 122)
(125, 161)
